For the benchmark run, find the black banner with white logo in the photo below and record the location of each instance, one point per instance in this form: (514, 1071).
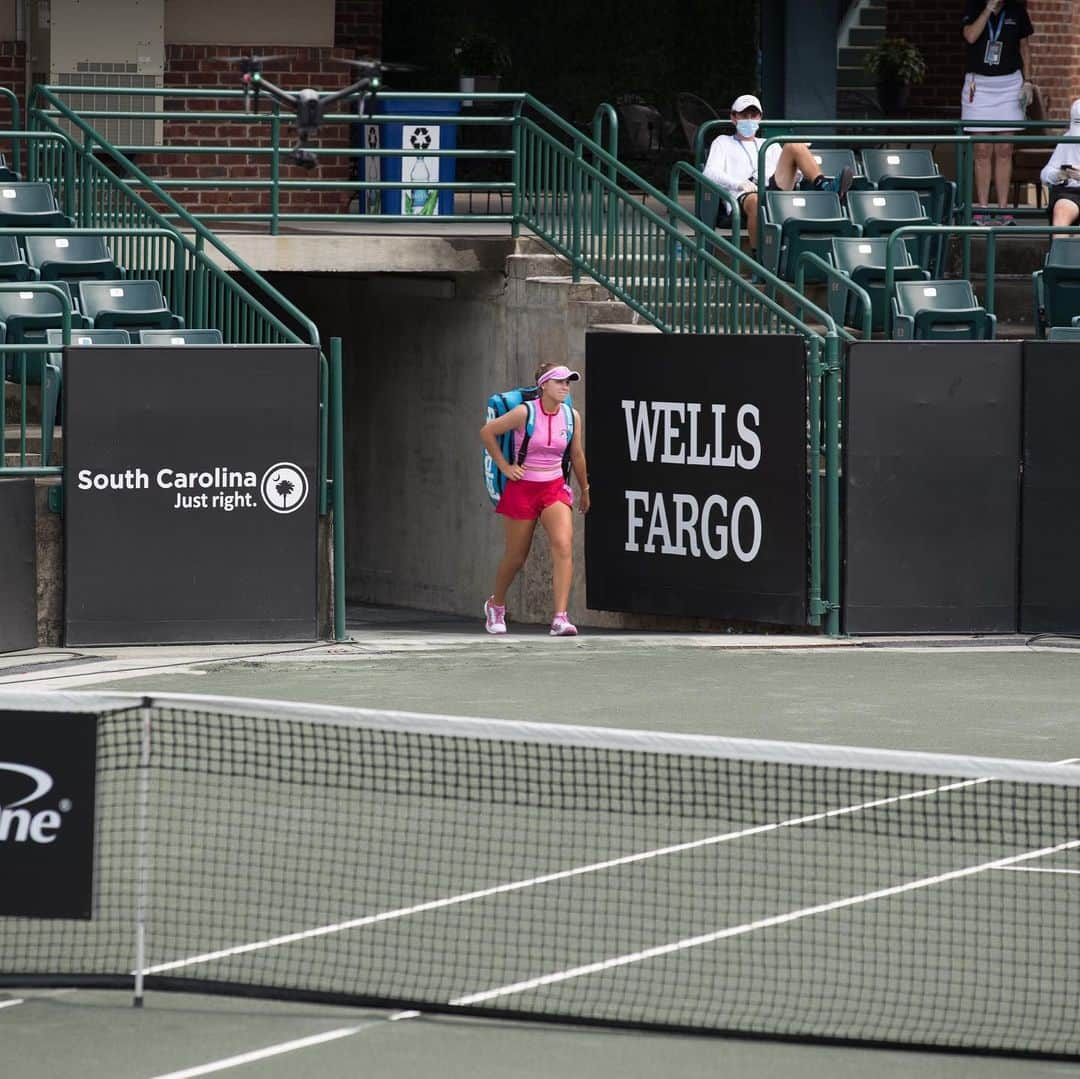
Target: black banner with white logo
(47, 768)
(697, 461)
(190, 485)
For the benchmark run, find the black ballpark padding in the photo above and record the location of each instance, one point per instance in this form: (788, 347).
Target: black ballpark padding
(1050, 515)
(47, 789)
(932, 487)
(726, 539)
(18, 562)
(191, 497)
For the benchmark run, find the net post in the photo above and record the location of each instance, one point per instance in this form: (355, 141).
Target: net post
(142, 871)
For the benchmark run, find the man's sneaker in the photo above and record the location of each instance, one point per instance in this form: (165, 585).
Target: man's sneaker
(561, 626)
(494, 616)
(841, 182)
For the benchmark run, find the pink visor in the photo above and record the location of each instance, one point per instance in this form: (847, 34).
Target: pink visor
(558, 373)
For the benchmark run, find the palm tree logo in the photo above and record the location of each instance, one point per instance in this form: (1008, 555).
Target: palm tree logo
(284, 487)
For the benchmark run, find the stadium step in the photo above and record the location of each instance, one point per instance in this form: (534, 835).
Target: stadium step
(855, 92)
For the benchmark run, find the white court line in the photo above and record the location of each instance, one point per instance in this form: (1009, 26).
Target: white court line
(546, 878)
(11, 1003)
(263, 1054)
(749, 927)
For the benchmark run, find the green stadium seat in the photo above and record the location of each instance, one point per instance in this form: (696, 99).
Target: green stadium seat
(1063, 333)
(833, 160)
(7, 173)
(879, 213)
(13, 267)
(916, 170)
(131, 305)
(30, 205)
(71, 258)
(24, 319)
(1057, 285)
(54, 373)
(879, 164)
(863, 260)
(210, 336)
(939, 311)
(798, 221)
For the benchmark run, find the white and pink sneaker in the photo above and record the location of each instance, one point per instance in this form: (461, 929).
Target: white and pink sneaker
(561, 626)
(495, 617)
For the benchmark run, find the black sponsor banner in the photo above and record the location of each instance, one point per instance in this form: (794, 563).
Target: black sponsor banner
(18, 586)
(932, 441)
(47, 768)
(1050, 518)
(697, 457)
(190, 484)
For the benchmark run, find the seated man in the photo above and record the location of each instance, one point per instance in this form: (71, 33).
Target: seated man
(733, 164)
(1062, 175)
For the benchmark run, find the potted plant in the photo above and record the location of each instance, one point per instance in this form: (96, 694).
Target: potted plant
(481, 61)
(896, 65)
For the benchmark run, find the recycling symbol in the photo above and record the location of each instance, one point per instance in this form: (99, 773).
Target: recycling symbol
(420, 138)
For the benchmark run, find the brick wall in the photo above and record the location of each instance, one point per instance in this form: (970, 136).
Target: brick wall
(13, 76)
(206, 66)
(935, 27)
(358, 25)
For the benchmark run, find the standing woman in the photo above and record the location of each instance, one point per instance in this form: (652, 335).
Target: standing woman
(997, 86)
(537, 490)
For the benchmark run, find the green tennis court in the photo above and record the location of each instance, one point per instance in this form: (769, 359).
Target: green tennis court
(552, 896)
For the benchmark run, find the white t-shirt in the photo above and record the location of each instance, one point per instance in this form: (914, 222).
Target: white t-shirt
(733, 162)
(1065, 153)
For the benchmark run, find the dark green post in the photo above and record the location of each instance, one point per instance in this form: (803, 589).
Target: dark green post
(337, 439)
(833, 383)
(275, 170)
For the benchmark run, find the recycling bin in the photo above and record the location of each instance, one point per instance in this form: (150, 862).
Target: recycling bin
(421, 170)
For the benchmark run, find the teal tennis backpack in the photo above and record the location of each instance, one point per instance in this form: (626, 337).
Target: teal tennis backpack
(499, 404)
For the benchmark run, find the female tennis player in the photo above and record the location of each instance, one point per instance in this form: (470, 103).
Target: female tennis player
(537, 490)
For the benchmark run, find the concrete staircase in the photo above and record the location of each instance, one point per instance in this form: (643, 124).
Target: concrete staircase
(856, 97)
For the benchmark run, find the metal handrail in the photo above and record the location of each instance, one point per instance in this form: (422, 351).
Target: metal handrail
(203, 234)
(843, 280)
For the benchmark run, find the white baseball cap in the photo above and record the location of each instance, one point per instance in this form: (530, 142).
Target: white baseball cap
(746, 101)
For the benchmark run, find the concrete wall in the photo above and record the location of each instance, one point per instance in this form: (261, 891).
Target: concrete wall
(195, 22)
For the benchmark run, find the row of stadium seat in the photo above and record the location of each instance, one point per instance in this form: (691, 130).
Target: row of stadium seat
(41, 257)
(120, 304)
(798, 221)
(862, 259)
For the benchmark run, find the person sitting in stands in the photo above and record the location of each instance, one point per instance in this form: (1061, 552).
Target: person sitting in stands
(733, 164)
(1062, 175)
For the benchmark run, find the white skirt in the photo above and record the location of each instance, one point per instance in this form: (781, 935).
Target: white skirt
(991, 97)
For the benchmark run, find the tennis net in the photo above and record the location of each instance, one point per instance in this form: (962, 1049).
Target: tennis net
(573, 874)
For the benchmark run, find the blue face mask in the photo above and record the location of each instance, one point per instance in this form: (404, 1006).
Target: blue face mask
(747, 128)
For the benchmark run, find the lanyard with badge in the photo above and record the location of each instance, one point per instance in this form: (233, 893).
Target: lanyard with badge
(993, 46)
(750, 157)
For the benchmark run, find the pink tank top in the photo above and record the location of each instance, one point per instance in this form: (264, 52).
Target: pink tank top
(543, 459)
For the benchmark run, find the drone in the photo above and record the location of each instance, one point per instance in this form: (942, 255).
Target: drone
(311, 105)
